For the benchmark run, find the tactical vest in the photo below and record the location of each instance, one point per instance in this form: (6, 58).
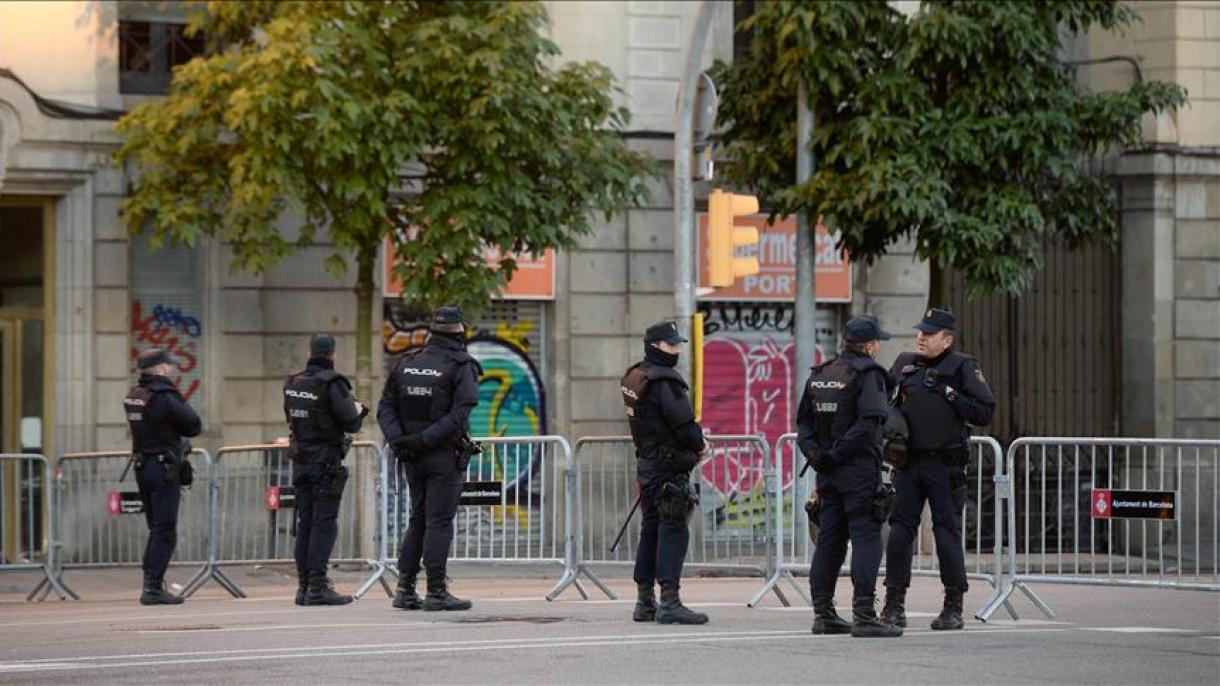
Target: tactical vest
(315, 436)
(648, 428)
(148, 435)
(832, 394)
(425, 381)
(934, 424)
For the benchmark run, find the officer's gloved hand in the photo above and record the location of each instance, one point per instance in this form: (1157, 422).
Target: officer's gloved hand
(409, 444)
(824, 462)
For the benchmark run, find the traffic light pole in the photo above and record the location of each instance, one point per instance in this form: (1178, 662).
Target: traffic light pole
(805, 328)
(684, 193)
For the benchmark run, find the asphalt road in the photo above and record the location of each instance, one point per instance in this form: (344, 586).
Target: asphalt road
(1100, 636)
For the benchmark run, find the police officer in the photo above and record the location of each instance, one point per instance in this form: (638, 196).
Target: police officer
(321, 411)
(668, 445)
(424, 414)
(941, 393)
(839, 431)
(159, 419)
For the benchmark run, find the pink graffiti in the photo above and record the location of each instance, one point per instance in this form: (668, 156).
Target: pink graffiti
(748, 388)
(155, 330)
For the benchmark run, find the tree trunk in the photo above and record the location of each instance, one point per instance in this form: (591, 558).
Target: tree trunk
(365, 260)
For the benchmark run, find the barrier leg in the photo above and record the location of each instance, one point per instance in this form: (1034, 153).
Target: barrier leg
(1000, 597)
(379, 573)
(51, 582)
(212, 572)
(772, 586)
(597, 582)
(1033, 598)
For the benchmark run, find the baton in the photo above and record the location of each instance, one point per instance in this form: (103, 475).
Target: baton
(126, 469)
(623, 529)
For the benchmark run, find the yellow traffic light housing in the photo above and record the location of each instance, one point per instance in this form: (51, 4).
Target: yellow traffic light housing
(724, 237)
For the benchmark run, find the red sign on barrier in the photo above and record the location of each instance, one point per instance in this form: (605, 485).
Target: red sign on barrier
(272, 499)
(279, 497)
(1128, 504)
(124, 502)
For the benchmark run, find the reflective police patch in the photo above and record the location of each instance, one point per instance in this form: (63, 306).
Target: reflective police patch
(979, 374)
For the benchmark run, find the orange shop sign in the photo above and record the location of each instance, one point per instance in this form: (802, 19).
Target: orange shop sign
(534, 278)
(776, 252)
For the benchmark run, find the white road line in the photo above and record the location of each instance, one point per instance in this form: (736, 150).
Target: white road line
(1140, 630)
(169, 615)
(275, 627)
(467, 646)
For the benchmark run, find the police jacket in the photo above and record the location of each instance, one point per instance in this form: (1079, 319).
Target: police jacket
(319, 407)
(939, 420)
(431, 392)
(842, 409)
(158, 416)
(658, 408)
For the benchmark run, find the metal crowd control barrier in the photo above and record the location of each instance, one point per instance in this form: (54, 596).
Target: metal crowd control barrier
(1060, 533)
(525, 516)
(980, 540)
(27, 529)
(730, 529)
(95, 532)
(248, 526)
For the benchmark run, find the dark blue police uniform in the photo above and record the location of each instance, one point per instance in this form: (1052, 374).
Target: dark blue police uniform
(159, 419)
(321, 411)
(424, 414)
(668, 443)
(839, 431)
(940, 398)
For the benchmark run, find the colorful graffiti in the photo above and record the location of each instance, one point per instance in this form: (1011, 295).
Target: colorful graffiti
(749, 384)
(179, 333)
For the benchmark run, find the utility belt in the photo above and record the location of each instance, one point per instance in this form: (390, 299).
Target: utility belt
(955, 457)
(178, 469)
(671, 458)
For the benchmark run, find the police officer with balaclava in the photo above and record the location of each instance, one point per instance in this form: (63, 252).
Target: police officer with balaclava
(159, 418)
(941, 393)
(321, 412)
(668, 445)
(839, 431)
(424, 414)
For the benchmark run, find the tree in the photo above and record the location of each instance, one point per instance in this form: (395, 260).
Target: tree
(959, 126)
(441, 125)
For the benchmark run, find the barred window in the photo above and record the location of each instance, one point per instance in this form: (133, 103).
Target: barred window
(148, 52)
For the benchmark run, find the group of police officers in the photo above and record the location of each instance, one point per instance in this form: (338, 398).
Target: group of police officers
(853, 417)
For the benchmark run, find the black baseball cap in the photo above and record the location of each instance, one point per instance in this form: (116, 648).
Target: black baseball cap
(663, 331)
(447, 320)
(937, 319)
(865, 329)
(322, 344)
(152, 357)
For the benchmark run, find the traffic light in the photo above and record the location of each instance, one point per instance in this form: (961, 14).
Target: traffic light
(723, 237)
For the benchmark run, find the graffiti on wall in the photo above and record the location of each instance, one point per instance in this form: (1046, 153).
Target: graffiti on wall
(748, 388)
(179, 333)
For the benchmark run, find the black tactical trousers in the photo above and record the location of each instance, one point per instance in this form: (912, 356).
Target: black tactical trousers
(317, 516)
(927, 478)
(846, 513)
(436, 488)
(160, 493)
(663, 542)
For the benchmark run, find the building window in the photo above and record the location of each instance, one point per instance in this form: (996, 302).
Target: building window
(148, 53)
(742, 39)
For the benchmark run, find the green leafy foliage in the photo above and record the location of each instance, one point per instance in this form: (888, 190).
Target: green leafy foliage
(443, 125)
(959, 126)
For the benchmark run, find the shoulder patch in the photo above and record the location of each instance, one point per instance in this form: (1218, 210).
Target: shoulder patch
(978, 372)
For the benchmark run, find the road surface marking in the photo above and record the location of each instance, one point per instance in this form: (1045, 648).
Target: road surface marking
(1140, 630)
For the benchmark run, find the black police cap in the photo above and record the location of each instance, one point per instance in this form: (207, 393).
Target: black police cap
(151, 358)
(865, 329)
(447, 320)
(663, 331)
(322, 344)
(937, 319)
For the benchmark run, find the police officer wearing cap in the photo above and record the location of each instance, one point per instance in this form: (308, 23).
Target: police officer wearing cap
(668, 445)
(159, 419)
(424, 414)
(321, 412)
(839, 424)
(941, 393)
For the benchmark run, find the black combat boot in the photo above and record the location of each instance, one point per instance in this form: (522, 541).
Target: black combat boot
(895, 609)
(645, 604)
(826, 620)
(865, 623)
(405, 596)
(950, 618)
(322, 592)
(672, 611)
(155, 593)
(302, 587)
(439, 598)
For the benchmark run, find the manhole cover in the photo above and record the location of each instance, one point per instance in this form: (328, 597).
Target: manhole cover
(488, 619)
